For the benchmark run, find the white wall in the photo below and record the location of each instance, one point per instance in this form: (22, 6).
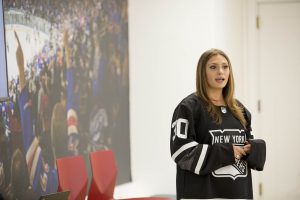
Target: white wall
(166, 39)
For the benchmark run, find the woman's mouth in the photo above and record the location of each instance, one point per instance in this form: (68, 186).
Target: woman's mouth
(220, 80)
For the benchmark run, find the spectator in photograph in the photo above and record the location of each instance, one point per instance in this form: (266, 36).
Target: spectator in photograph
(37, 165)
(19, 187)
(59, 132)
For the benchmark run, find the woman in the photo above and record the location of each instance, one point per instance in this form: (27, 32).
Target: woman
(210, 136)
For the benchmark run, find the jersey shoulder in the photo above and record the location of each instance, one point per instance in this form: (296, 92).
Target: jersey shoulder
(192, 102)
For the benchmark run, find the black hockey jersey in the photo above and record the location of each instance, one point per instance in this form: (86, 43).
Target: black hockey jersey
(203, 152)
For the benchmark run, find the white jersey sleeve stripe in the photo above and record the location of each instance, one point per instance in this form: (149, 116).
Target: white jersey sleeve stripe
(183, 148)
(201, 159)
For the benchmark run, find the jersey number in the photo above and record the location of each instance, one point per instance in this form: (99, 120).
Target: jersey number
(180, 128)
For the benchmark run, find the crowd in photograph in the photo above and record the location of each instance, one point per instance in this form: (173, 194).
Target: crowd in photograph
(70, 99)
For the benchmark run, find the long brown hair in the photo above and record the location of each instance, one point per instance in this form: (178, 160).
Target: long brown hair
(228, 90)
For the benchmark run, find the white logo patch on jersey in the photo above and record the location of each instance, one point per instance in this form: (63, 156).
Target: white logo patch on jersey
(236, 137)
(223, 110)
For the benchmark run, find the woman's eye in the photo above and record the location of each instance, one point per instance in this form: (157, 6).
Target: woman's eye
(212, 67)
(225, 67)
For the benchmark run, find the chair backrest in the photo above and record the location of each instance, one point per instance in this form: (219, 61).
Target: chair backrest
(72, 176)
(104, 174)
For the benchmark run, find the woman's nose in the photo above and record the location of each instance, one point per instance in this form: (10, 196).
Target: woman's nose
(220, 70)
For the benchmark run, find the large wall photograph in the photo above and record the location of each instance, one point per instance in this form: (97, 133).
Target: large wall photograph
(68, 79)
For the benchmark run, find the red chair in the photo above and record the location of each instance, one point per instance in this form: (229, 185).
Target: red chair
(104, 174)
(72, 176)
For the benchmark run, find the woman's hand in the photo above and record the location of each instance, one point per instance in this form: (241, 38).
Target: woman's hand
(247, 147)
(239, 151)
